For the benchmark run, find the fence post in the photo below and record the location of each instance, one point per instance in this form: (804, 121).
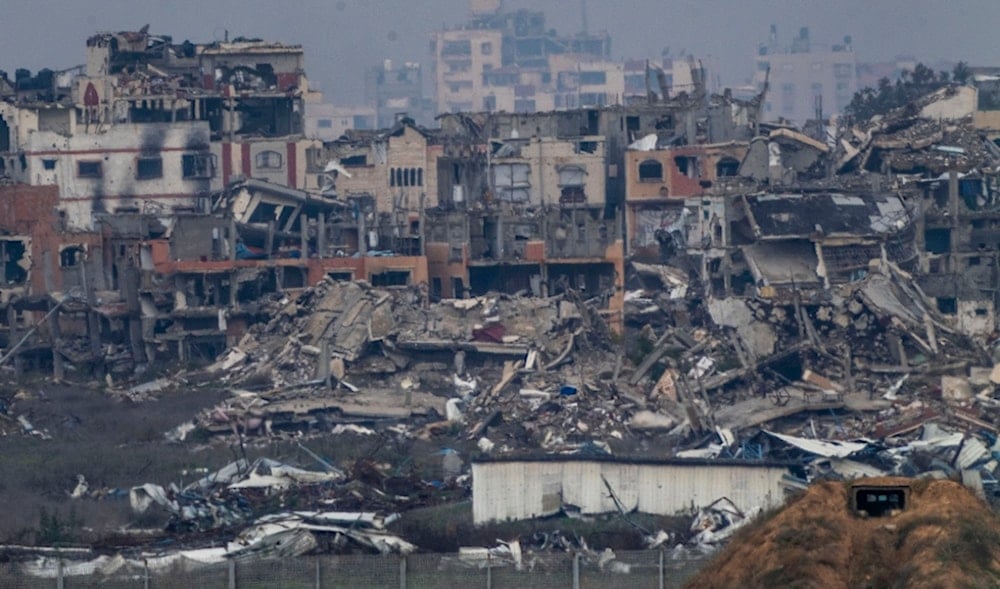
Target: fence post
(576, 570)
(318, 580)
(60, 582)
(402, 572)
(232, 574)
(661, 570)
(145, 574)
(489, 571)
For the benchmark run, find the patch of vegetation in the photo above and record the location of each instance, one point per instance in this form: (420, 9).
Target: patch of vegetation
(56, 530)
(792, 578)
(809, 535)
(910, 86)
(972, 542)
(911, 525)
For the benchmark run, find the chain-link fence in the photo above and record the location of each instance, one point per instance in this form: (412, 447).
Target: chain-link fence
(639, 569)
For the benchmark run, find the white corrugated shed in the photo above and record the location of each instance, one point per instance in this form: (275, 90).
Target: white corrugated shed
(523, 488)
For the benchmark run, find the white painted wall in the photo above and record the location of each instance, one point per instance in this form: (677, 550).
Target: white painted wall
(118, 150)
(951, 103)
(514, 490)
(976, 317)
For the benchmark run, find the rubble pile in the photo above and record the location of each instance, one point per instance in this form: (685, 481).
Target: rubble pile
(276, 536)
(541, 362)
(911, 144)
(944, 537)
(869, 359)
(245, 494)
(706, 377)
(242, 491)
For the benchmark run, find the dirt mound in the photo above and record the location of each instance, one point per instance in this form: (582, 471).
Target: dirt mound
(945, 537)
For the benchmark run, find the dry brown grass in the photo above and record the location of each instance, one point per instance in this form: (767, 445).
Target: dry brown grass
(945, 538)
(113, 443)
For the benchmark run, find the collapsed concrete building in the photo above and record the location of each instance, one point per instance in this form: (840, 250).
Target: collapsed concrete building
(673, 281)
(751, 258)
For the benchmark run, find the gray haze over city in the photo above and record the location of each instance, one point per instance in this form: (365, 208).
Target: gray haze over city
(343, 37)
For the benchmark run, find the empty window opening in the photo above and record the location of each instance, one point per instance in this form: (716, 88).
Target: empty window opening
(947, 305)
(88, 169)
(293, 278)
(727, 166)
(512, 182)
(406, 177)
(650, 171)
(14, 269)
(204, 351)
(980, 312)
(391, 278)
(148, 168)
(572, 195)
(266, 212)
(974, 261)
(450, 48)
(354, 160)
(70, 256)
(49, 164)
(688, 166)
(937, 241)
(4, 135)
(269, 160)
(198, 165)
(346, 276)
(789, 367)
(571, 183)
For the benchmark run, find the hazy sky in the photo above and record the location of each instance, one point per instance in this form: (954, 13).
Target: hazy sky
(343, 37)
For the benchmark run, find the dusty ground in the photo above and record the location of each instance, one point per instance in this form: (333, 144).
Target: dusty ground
(945, 538)
(116, 444)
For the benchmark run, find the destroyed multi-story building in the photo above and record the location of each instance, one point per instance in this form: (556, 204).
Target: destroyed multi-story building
(171, 188)
(139, 159)
(394, 89)
(808, 80)
(511, 61)
(328, 122)
(667, 77)
(187, 187)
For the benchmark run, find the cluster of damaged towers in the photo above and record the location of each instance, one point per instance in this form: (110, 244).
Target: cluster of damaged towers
(153, 200)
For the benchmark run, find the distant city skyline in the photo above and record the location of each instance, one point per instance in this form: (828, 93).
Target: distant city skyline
(344, 37)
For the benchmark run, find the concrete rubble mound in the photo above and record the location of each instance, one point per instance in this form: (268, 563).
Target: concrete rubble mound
(346, 352)
(943, 537)
(863, 378)
(237, 494)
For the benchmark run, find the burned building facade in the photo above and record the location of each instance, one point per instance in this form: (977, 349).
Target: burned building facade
(174, 175)
(182, 190)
